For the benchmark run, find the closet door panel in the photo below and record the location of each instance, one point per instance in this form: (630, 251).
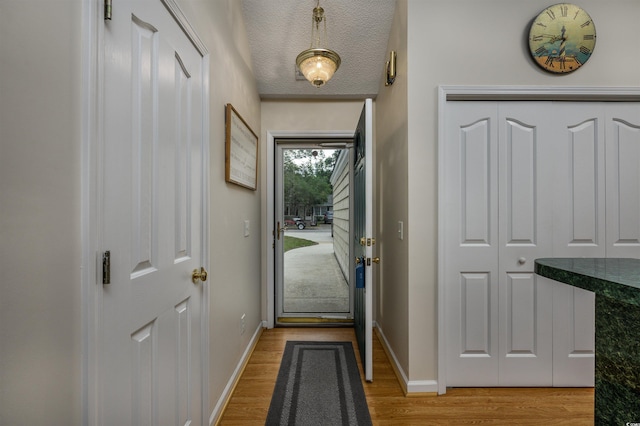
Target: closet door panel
(471, 255)
(525, 212)
(579, 231)
(623, 180)
(579, 228)
(573, 336)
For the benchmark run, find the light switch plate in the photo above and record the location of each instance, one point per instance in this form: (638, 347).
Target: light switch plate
(400, 230)
(246, 228)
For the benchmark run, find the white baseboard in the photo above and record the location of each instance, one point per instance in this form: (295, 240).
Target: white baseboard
(233, 380)
(408, 386)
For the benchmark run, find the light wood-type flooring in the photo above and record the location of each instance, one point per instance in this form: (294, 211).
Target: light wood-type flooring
(250, 401)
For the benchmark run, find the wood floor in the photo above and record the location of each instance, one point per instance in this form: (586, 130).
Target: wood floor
(387, 404)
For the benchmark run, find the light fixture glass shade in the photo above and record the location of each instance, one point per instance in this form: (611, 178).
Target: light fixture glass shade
(318, 65)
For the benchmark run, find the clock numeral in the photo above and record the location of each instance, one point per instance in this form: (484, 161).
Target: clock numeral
(541, 50)
(540, 24)
(564, 9)
(576, 15)
(537, 38)
(585, 50)
(586, 24)
(588, 37)
(551, 14)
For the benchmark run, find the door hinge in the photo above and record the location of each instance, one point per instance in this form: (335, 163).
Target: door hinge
(106, 267)
(107, 10)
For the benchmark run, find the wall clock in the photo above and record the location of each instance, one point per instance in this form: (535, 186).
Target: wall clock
(562, 38)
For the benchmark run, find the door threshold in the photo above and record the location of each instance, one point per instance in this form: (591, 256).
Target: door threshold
(314, 321)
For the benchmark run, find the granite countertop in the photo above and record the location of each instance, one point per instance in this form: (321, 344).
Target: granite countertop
(617, 278)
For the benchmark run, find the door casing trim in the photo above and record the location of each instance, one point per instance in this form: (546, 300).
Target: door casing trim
(269, 213)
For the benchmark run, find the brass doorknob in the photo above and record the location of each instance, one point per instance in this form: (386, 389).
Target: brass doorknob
(199, 275)
(376, 260)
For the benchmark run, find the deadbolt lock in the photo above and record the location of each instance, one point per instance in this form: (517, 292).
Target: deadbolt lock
(199, 275)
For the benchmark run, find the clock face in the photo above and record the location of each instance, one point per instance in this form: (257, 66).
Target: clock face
(562, 38)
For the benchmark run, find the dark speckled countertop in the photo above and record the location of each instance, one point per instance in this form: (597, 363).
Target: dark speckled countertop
(616, 283)
(617, 278)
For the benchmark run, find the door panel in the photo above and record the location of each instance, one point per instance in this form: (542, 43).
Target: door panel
(579, 231)
(471, 254)
(522, 183)
(525, 206)
(476, 315)
(573, 336)
(150, 362)
(623, 180)
(363, 235)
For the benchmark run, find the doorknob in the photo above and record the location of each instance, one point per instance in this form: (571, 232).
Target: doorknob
(279, 230)
(522, 261)
(199, 275)
(376, 260)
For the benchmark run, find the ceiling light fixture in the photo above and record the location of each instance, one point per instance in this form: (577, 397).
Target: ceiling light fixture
(318, 63)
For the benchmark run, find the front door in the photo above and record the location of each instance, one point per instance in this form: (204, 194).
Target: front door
(312, 249)
(150, 358)
(363, 237)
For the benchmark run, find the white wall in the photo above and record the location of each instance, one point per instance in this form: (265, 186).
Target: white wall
(470, 42)
(310, 115)
(392, 174)
(40, 242)
(235, 260)
(296, 116)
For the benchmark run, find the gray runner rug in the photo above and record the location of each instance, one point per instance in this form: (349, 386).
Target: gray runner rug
(318, 384)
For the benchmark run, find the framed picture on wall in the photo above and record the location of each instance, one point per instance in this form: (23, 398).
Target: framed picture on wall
(241, 151)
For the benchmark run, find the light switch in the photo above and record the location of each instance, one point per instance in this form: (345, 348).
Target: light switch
(246, 228)
(400, 230)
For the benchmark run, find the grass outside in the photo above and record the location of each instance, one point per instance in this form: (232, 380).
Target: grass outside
(291, 243)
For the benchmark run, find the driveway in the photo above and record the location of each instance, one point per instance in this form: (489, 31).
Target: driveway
(313, 282)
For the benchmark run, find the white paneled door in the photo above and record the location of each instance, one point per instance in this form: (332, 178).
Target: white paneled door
(498, 310)
(153, 223)
(524, 229)
(623, 179)
(525, 180)
(579, 231)
(471, 244)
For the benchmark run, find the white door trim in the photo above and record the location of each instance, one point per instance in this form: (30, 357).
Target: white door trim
(269, 213)
(91, 143)
(91, 202)
(513, 93)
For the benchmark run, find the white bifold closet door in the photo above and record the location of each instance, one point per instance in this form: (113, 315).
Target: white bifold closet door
(499, 318)
(525, 180)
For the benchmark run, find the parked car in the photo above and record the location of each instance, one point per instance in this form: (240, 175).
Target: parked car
(328, 216)
(296, 221)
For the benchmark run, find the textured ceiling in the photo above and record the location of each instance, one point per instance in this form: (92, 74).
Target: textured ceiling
(358, 30)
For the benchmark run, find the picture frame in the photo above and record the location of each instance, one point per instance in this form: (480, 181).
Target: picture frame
(241, 151)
